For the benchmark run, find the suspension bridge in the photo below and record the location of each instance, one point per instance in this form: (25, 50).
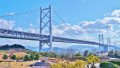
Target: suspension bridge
(46, 21)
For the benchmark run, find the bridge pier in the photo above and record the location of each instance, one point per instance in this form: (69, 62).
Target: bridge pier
(106, 49)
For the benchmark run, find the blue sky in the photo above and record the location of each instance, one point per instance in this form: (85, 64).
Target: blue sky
(74, 10)
(82, 15)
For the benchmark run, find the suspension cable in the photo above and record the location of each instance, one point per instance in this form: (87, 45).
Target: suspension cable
(58, 25)
(64, 22)
(61, 27)
(19, 13)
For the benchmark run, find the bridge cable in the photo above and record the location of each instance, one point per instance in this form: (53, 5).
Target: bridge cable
(58, 25)
(64, 22)
(19, 13)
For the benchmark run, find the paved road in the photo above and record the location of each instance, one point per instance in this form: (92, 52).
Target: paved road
(41, 65)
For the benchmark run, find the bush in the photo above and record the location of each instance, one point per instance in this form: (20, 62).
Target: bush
(106, 64)
(1, 61)
(78, 64)
(20, 58)
(43, 60)
(27, 58)
(93, 66)
(116, 62)
(31, 65)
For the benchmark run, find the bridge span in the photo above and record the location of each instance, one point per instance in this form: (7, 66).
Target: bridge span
(13, 34)
(48, 39)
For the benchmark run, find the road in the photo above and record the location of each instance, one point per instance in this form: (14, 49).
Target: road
(40, 64)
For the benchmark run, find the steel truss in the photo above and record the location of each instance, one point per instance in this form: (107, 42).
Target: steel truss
(47, 24)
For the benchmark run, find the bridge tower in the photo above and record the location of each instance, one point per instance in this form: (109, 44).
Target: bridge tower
(106, 48)
(108, 41)
(101, 41)
(46, 23)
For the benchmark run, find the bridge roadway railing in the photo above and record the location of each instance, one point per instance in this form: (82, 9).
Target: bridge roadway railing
(7, 33)
(68, 40)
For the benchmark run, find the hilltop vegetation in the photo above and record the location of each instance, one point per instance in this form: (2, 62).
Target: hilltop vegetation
(7, 47)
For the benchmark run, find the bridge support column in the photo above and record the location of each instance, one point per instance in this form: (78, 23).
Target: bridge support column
(46, 23)
(101, 41)
(106, 49)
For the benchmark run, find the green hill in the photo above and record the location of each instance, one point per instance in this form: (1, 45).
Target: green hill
(7, 47)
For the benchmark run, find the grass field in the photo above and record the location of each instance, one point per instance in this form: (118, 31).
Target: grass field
(18, 54)
(14, 64)
(17, 64)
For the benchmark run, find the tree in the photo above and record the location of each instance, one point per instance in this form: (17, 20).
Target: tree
(91, 53)
(111, 54)
(17, 59)
(80, 64)
(37, 56)
(92, 59)
(106, 64)
(62, 56)
(27, 58)
(57, 65)
(5, 57)
(77, 54)
(53, 55)
(14, 57)
(32, 56)
(86, 53)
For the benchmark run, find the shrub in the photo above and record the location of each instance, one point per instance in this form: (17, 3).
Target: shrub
(106, 64)
(116, 62)
(13, 57)
(78, 64)
(31, 65)
(32, 56)
(93, 66)
(1, 61)
(43, 60)
(64, 65)
(5, 57)
(27, 58)
(37, 56)
(20, 58)
(92, 59)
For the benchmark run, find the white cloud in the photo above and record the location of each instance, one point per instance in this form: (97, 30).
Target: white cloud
(11, 13)
(107, 14)
(6, 24)
(116, 13)
(100, 26)
(88, 38)
(31, 25)
(19, 29)
(30, 30)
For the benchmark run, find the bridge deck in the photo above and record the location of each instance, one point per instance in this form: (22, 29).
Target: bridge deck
(6, 33)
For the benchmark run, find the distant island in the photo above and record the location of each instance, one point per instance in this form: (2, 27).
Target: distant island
(14, 46)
